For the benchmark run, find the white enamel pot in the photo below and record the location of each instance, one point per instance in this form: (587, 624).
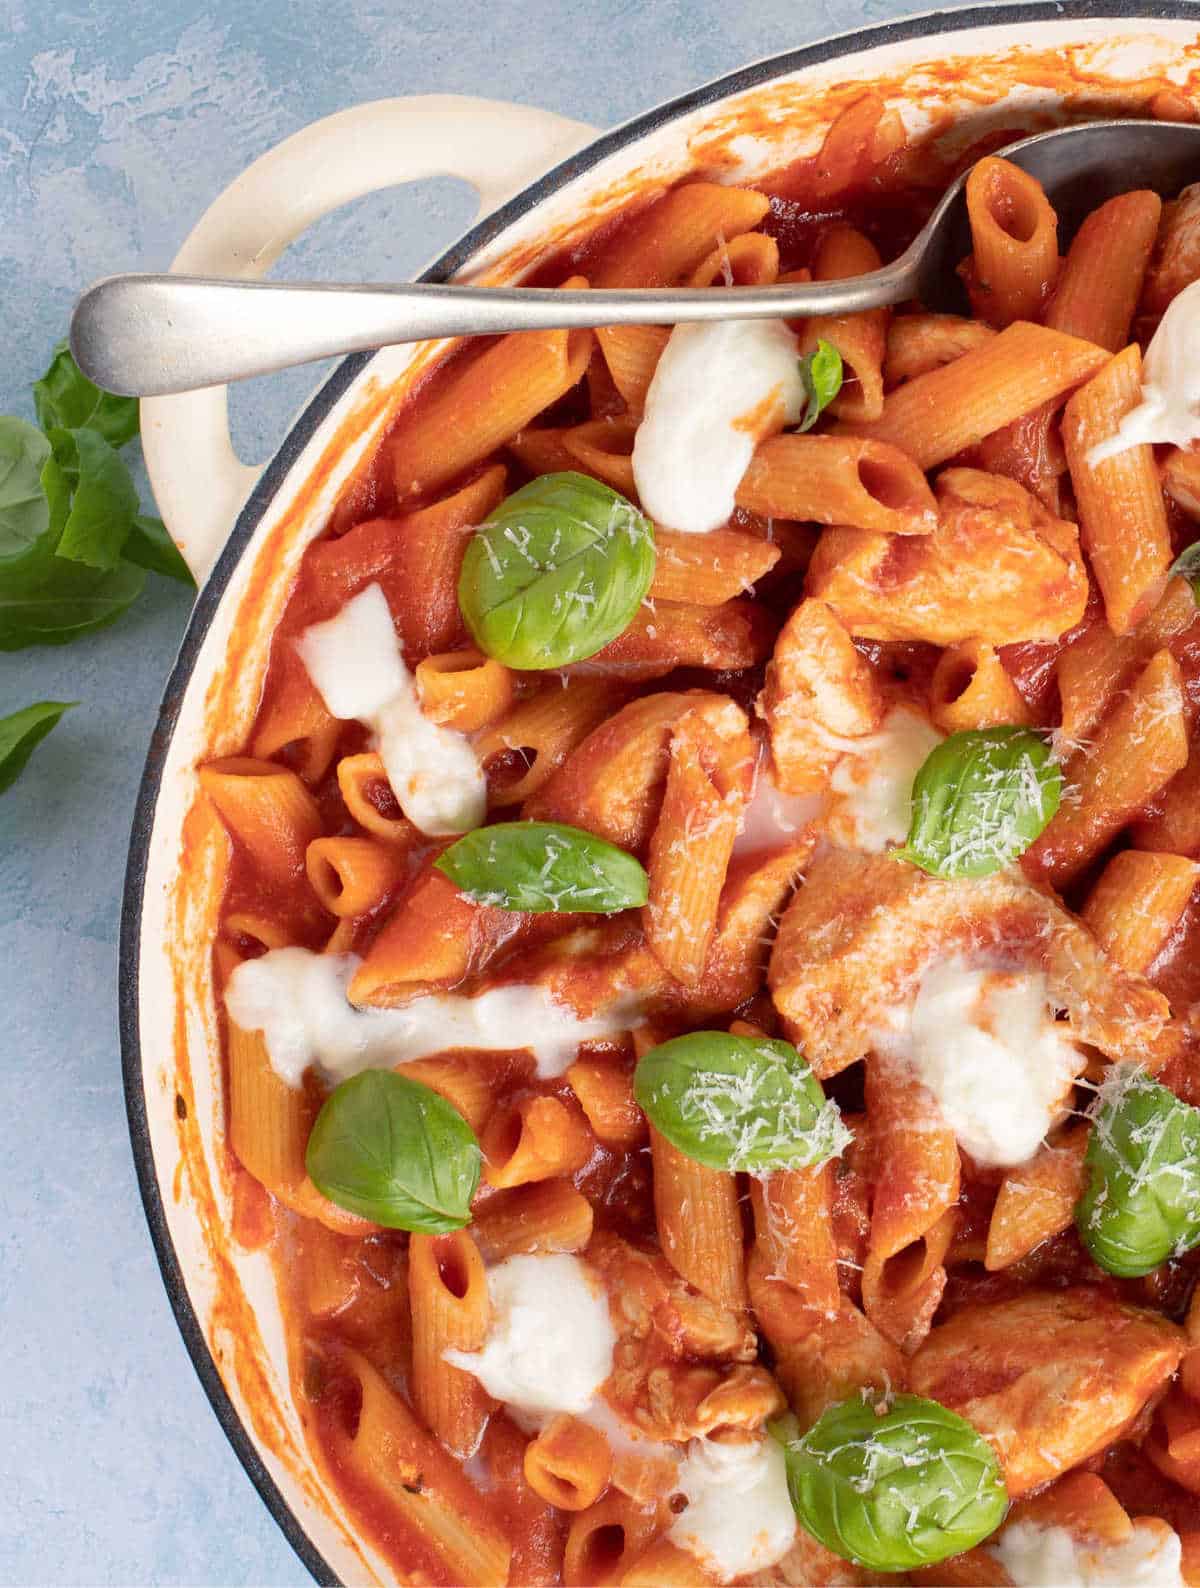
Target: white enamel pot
(541, 181)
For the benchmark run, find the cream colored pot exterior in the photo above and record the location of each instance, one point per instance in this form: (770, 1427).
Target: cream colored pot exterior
(1029, 60)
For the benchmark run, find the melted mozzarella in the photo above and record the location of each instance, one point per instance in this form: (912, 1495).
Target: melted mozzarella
(297, 999)
(772, 818)
(717, 389)
(1034, 1555)
(1170, 405)
(739, 1517)
(355, 662)
(874, 782)
(550, 1344)
(986, 1045)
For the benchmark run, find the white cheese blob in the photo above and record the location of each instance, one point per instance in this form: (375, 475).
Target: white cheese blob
(772, 818)
(1170, 405)
(297, 999)
(739, 1518)
(355, 661)
(874, 782)
(717, 390)
(986, 1045)
(550, 1344)
(1034, 1555)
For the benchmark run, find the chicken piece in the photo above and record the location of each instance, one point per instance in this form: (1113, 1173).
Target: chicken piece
(858, 935)
(818, 692)
(998, 564)
(1050, 1378)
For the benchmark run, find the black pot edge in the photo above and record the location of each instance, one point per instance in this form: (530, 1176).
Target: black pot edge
(993, 15)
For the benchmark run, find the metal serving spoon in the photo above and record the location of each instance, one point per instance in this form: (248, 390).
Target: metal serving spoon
(149, 335)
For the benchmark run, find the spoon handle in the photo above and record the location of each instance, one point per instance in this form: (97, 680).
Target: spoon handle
(151, 335)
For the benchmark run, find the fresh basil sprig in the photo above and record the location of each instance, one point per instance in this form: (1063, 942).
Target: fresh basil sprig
(150, 546)
(99, 494)
(558, 570)
(1187, 566)
(738, 1103)
(980, 800)
(74, 549)
(1141, 1204)
(46, 599)
(821, 375)
(395, 1152)
(22, 732)
(65, 399)
(895, 1491)
(543, 866)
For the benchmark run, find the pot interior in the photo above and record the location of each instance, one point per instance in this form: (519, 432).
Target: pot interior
(1008, 70)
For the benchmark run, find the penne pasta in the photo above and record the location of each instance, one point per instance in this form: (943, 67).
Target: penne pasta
(917, 1156)
(970, 688)
(1122, 519)
(793, 1233)
(541, 1216)
(1036, 1200)
(605, 1540)
(267, 809)
(1102, 275)
(568, 1464)
(632, 353)
(706, 570)
(920, 342)
(699, 1223)
(1092, 671)
(389, 1452)
(838, 480)
(448, 1295)
(369, 799)
(1137, 903)
(861, 339)
(481, 403)
(941, 413)
(352, 876)
(464, 689)
(603, 1088)
(296, 721)
(1137, 750)
(902, 1292)
(538, 1138)
(676, 233)
(528, 745)
(708, 783)
(1014, 235)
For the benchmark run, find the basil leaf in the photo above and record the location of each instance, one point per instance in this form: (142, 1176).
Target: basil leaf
(821, 374)
(22, 732)
(150, 546)
(395, 1152)
(103, 498)
(65, 399)
(557, 572)
(738, 1103)
(980, 800)
(893, 1492)
(1187, 565)
(24, 508)
(1142, 1201)
(540, 866)
(71, 600)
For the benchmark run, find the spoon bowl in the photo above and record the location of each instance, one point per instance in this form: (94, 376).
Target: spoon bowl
(1079, 168)
(153, 335)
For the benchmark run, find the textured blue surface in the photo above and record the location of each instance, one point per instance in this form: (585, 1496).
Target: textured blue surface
(119, 121)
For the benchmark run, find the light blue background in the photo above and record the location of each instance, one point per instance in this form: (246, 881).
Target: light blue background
(119, 121)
